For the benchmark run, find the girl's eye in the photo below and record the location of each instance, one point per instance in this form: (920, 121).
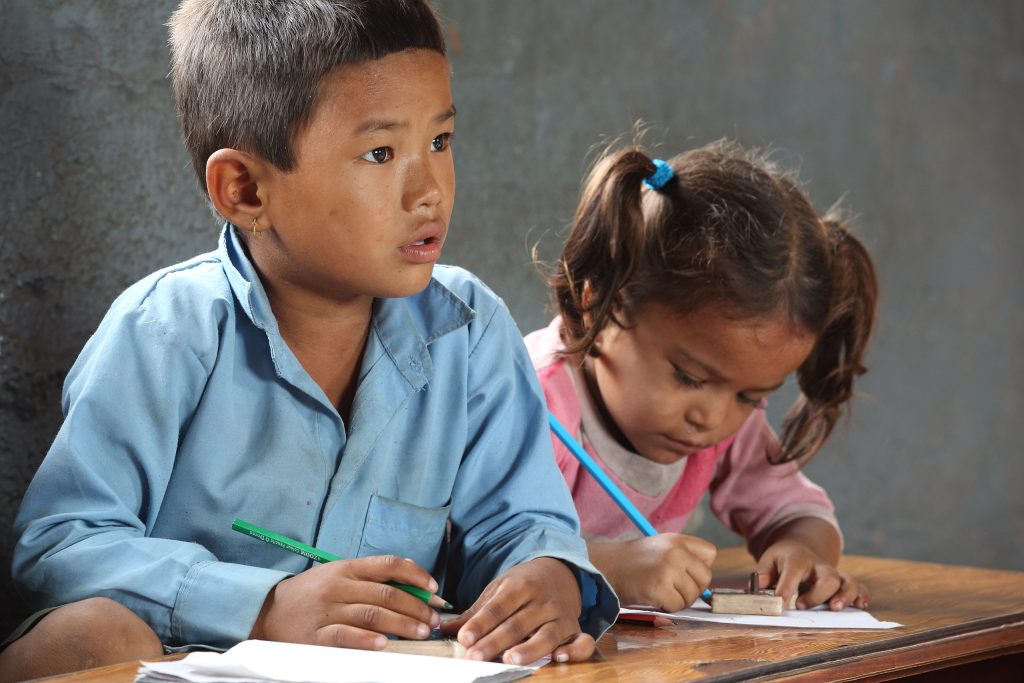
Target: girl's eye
(688, 380)
(752, 402)
(441, 142)
(379, 155)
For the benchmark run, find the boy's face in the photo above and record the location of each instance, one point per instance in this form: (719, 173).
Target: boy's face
(364, 210)
(671, 385)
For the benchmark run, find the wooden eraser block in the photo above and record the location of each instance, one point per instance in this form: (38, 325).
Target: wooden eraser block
(732, 601)
(431, 648)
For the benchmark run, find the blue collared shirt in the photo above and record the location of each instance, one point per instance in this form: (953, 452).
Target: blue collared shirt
(187, 409)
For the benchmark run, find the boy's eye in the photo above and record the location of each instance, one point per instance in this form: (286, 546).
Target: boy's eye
(379, 155)
(688, 380)
(441, 142)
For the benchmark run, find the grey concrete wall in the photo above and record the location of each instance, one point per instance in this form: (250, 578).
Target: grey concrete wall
(911, 110)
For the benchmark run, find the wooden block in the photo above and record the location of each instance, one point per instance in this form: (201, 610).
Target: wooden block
(733, 601)
(432, 648)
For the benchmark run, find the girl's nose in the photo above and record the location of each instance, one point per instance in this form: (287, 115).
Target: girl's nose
(707, 414)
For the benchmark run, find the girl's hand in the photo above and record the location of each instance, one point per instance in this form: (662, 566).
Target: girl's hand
(668, 570)
(530, 611)
(797, 571)
(347, 603)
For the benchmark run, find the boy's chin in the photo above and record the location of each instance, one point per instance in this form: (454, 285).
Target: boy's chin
(408, 285)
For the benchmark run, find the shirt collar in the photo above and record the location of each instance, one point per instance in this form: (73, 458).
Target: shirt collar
(403, 327)
(244, 280)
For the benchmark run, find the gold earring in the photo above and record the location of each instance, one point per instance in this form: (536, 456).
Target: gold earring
(254, 233)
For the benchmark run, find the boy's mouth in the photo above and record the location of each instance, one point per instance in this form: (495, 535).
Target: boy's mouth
(423, 242)
(425, 247)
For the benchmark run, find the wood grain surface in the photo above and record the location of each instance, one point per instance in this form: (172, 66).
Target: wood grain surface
(953, 617)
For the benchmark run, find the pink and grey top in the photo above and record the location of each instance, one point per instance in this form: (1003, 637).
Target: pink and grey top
(748, 494)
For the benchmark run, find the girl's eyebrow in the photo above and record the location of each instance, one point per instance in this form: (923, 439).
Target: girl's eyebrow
(766, 390)
(374, 125)
(719, 377)
(715, 374)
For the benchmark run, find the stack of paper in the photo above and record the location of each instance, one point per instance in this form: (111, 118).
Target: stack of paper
(257, 661)
(817, 617)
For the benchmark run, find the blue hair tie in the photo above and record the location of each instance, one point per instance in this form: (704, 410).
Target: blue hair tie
(662, 174)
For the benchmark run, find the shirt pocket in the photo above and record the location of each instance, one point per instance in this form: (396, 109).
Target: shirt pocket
(394, 527)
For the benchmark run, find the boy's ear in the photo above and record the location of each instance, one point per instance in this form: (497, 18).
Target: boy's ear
(232, 181)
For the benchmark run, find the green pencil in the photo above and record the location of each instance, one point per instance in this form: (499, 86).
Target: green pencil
(315, 554)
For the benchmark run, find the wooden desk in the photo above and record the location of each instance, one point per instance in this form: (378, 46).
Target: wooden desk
(972, 619)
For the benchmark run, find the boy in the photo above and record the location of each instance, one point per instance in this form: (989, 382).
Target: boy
(316, 375)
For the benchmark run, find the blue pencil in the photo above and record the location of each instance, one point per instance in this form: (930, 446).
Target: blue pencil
(591, 466)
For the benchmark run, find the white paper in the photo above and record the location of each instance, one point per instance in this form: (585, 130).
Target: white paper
(260, 660)
(816, 617)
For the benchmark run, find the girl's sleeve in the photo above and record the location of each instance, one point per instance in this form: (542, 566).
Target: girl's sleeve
(563, 403)
(85, 519)
(510, 503)
(753, 497)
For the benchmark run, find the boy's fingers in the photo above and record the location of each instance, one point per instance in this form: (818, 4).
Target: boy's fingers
(380, 619)
(437, 602)
(343, 635)
(503, 635)
(542, 643)
(452, 626)
(390, 598)
(579, 649)
(490, 610)
(552, 639)
(383, 568)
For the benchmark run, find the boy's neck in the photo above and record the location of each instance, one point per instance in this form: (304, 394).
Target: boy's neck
(327, 337)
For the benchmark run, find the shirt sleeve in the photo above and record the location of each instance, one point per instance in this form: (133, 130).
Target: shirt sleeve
(510, 504)
(84, 522)
(753, 497)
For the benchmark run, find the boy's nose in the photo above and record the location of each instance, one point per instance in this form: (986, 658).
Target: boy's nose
(423, 187)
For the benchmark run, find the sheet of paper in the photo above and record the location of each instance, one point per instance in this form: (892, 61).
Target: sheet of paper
(259, 660)
(817, 617)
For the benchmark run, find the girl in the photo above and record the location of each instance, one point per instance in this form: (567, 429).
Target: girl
(688, 291)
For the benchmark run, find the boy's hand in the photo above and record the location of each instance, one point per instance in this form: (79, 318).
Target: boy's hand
(796, 570)
(668, 570)
(348, 604)
(537, 602)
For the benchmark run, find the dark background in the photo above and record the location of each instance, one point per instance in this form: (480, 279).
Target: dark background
(911, 111)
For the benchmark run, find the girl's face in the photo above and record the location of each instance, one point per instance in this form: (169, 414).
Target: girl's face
(671, 385)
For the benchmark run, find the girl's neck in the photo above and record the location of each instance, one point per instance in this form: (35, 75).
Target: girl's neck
(602, 410)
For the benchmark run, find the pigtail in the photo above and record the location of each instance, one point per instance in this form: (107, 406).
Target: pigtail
(826, 377)
(603, 249)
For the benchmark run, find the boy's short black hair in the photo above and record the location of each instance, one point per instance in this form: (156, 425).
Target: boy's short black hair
(247, 73)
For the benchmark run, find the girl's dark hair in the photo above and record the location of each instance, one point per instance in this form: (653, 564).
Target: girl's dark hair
(247, 73)
(732, 231)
